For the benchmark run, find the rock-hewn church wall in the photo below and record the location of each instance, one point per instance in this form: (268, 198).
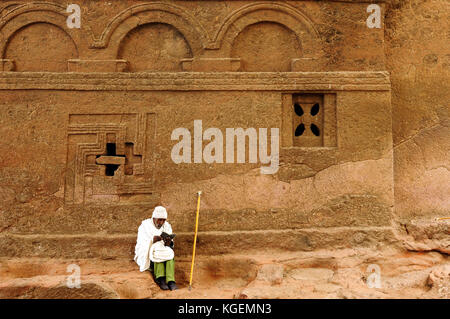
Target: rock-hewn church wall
(88, 117)
(418, 60)
(417, 57)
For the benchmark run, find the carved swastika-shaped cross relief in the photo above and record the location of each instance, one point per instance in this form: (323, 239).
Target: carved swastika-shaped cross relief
(110, 158)
(112, 161)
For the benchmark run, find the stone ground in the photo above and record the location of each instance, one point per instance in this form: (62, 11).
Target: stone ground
(270, 274)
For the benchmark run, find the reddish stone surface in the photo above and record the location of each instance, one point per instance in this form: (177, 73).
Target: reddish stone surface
(87, 117)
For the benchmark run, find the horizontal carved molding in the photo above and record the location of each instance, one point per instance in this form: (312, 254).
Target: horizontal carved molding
(198, 81)
(77, 65)
(211, 64)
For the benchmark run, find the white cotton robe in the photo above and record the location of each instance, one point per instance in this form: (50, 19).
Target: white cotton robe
(145, 242)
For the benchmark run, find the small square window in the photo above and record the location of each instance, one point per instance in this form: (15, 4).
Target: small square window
(309, 120)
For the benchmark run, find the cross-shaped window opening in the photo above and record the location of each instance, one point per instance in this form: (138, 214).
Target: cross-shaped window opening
(110, 151)
(112, 161)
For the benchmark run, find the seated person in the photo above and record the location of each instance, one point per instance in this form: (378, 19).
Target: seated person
(155, 247)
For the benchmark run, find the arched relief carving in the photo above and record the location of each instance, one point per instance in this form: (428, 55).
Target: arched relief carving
(14, 16)
(9, 5)
(266, 47)
(30, 13)
(40, 47)
(154, 47)
(284, 14)
(142, 14)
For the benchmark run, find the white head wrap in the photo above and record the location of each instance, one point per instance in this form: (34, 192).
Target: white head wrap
(159, 212)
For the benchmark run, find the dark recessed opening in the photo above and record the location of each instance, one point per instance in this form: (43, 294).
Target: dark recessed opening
(298, 109)
(315, 109)
(299, 130)
(315, 130)
(110, 169)
(111, 149)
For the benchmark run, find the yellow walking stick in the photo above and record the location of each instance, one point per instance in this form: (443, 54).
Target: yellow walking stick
(195, 239)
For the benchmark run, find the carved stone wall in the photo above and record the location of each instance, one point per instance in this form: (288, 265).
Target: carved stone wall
(86, 125)
(157, 36)
(109, 158)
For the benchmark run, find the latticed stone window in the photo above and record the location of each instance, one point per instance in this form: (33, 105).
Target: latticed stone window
(309, 120)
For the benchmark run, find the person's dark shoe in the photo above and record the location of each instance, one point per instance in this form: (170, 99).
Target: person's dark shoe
(161, 281)
(172, 285)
